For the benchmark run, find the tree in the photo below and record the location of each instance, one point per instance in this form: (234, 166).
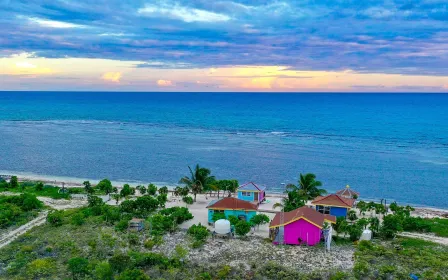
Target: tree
(125, 191)
(181, 191)
(88, 187)
(242, 228)
(226, 185)
(105, 185)
(55, 218)
(198, 232)
(13, 182)
(120, 262)
(187, 199)
(340, 226)
(103, 271)
(116, 197)
(163, 198)
(352, 215)
(78, 219)
(133, 274)
(363, 223)
(142, 189)
(78, 267)
(39, 186)
(152, 189)
(354, 231)
(198, 180)
(391, 225)
(146, 204)
(163, 190)
(293, 200)
(94, 201)
(309, 187)
(259, 219)
(374, 225)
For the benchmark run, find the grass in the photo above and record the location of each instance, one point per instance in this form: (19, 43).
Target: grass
(47, 191)
(439, 227)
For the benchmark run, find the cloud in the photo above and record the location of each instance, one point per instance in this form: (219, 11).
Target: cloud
(25, 64)
(182, 13)
(112, 76)
(54, 23)
(164, 83)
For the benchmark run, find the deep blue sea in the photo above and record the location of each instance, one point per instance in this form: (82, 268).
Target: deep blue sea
(392, 146)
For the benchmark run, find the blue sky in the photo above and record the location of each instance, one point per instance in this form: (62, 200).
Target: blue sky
(225, 45)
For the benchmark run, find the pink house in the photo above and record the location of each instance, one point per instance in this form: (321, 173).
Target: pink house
(300, 226)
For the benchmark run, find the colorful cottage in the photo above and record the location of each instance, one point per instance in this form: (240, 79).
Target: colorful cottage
(231, 206)
(333, 204)
(300, 226)
(251, 192)
(348, 193)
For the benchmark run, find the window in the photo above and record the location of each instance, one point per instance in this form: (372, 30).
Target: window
(245, 193)
(323, 209)
(219, 211)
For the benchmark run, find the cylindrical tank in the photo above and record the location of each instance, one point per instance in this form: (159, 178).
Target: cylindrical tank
(222, 226)
(366, 235)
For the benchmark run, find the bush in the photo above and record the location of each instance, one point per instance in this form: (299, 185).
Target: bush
(163, 190)
(122, 225)
(152, 189)
(146, 204)
(151, 242)
(355, 232)
(41, 268)
(218, 216)
(259, 219)
(119, 263)
(162, 199)
(55, 218)
(126, 191)
(78, 219)
(233, 220)
(198, 232)
(187, 200)
(39, 186)
(133, 274)
(242, 228)
(103, 271)
(391, 225)
(78, 267)
(94, 201)
(13, 182)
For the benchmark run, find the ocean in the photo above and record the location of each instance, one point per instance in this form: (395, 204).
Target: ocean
(392, 146)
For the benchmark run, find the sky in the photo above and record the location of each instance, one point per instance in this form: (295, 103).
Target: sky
(221, 45)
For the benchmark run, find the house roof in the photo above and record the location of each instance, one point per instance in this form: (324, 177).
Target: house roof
(347, 191)
(251, 186)
(306, 213)
(232, 203)
(334, 200)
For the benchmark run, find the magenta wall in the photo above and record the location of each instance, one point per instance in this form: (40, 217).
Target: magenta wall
(260, 196)
(304, 230)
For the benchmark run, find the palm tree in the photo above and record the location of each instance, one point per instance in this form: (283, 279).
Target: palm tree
(198, 180)
(293, 200)
(309, 187)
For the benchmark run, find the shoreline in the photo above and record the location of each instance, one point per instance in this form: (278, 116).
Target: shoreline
(73, 182)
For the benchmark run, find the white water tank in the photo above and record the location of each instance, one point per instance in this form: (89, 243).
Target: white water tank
(366, 235)
(222, 226)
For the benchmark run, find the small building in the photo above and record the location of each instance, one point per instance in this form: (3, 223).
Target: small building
(251, 192)
(333, 204)
(348, 193)
(300, 226)
(136, 224)
(231, 206)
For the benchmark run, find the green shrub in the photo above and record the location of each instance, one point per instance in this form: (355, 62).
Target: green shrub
(78, 267)
(187, 199)
(103, 271)
(119, 263)
(78, 219)
(198, 232)
(152, 189)
(55, 218)
(242, 228)
(233, 219)
(122, 225)
(133, 239)
(41, 268)
(133, 274)
(163, 190)
(218, 216)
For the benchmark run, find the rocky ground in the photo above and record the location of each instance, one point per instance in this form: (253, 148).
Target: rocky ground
(258, 251)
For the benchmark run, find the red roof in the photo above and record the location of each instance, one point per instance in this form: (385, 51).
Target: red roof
(232, 203)
(304, 212)
(334, 200)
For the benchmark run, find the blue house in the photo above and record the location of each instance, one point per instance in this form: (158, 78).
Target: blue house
(231, 206)
(333, 204)
(251, 192)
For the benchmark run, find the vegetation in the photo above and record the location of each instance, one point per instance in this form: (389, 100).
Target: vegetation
(198, 181)
(242, 228)
(309, 186)
(34, 188)
(105, 185)
(294, 199)
(259, 219)
(18, 210)
(228, 186)
(199, 233)
(152, 189)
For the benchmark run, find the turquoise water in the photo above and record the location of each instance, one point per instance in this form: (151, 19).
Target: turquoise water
(392, 146)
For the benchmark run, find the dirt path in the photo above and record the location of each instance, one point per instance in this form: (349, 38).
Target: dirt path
(7, 238)
(427, 237)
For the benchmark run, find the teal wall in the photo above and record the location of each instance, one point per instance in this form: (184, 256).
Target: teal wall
(246, 198)
(247, 214)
